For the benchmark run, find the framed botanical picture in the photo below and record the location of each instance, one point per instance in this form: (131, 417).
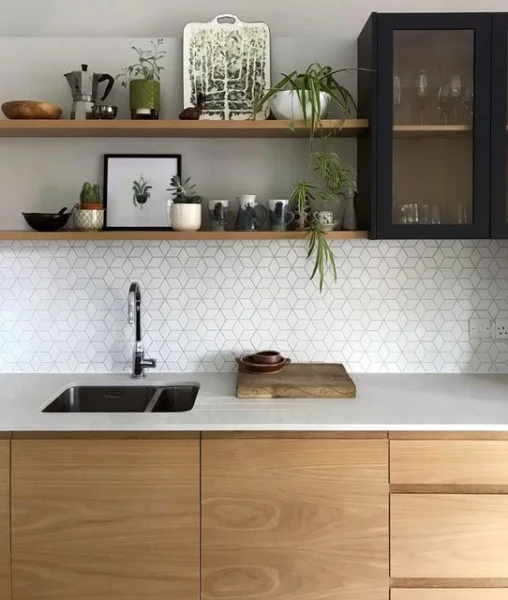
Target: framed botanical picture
(136, 189)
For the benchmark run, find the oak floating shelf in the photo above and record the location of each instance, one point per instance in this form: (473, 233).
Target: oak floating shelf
(170, 235)
(430, 131)
(175, 128)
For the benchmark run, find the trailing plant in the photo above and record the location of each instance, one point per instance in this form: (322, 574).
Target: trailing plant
(90, 194)
(308, 86)
(184, 192)
(147, 65)
(331, 176)
(141, 191)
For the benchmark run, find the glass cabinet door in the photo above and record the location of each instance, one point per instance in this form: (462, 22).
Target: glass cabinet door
(434, 77)
(499, 131)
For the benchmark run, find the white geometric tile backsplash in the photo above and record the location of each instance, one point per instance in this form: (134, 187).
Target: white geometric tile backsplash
(398, 306)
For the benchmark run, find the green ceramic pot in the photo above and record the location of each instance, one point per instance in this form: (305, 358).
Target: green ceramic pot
(145, 94)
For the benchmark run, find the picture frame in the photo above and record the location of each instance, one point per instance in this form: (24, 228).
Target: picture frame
(136, 190)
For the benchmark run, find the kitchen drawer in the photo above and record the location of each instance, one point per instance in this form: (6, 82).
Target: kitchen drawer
(460, 462)
(449, 536)
(451, 594)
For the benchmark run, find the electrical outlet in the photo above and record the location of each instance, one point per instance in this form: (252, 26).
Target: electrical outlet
(481, 329)
(501, 329)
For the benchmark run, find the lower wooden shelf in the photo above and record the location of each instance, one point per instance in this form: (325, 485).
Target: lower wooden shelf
(171, 235)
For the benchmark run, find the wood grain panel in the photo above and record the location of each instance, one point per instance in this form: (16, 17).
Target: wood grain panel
(105, 519)
(295, 435)
(448, 536)
(448, 435)
(457, 594)
(294, 520)
(5, 541)
(458, 462)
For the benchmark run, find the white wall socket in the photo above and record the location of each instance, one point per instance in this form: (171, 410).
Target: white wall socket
(481, 329)
(501, 329)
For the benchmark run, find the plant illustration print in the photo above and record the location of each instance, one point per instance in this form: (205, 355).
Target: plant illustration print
(141, 192)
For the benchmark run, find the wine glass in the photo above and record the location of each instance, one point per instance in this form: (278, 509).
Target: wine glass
(467, 99)
(422, 88)
(455, 94)
(397, 92)
(443, 102)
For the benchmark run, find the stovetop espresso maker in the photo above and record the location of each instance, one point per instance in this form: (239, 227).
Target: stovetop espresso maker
(85, 87)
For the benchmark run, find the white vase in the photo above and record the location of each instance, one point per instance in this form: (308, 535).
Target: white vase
(185, 217)
(286, 105)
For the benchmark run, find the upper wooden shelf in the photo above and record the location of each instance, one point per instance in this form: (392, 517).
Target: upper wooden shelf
(176, 128)
(171, 235)
(430, 131)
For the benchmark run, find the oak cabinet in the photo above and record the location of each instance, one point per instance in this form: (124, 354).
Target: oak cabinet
(293, 519)
(450, 594)
(449, 536)
(105, 519)
(5, 584)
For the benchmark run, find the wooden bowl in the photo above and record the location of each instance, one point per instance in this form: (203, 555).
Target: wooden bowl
(31, 109)
(267, 357)
(247, 363)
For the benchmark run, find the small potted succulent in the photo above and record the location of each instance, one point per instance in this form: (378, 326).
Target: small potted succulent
(140, 192)
(143, 79)
(89, 213)
(185, 211)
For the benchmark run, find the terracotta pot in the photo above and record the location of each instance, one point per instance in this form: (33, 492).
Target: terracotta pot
(185, 217)
(91, 206)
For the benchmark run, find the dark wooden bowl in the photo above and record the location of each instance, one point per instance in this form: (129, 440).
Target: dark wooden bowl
(247, 363)
(267, 357)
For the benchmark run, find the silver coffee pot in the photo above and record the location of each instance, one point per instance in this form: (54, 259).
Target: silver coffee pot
(85, 87)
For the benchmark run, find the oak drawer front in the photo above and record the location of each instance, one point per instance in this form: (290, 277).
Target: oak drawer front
(449, 536)
(451, 594)
(461, 462)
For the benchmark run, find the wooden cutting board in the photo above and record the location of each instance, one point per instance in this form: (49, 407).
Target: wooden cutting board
(297, 380)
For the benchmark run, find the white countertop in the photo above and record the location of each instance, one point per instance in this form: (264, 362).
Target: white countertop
(410, 402)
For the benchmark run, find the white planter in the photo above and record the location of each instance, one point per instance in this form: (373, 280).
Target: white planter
(185, 217)
(287, 105)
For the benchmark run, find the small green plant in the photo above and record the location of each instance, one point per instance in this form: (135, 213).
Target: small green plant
(183, 192)
(141, 191)
(90, 194)
(148, 64)
(308, 86)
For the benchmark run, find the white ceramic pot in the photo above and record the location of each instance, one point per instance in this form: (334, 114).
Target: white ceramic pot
(287, 105)
(185, 217)
(88, 220)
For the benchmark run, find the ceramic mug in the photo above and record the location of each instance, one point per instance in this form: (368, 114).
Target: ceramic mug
(247, 200)
(280, 215)
(325, 217)
(218, 210)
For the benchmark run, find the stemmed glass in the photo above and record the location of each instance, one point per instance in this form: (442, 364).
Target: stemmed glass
(397, 92)
(422, 88)
(455, 94)
(467, 99)
(444, 103)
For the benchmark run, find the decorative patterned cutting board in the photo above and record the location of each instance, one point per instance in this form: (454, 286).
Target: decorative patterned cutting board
(297, 380)
(229, 62)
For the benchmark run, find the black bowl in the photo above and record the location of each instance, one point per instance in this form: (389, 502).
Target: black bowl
(46, 221)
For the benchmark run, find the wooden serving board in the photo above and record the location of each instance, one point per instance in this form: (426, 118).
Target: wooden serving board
(297, 380)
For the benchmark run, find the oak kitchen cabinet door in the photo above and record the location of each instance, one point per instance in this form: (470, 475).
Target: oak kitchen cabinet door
(105, 519)
(294, 519)
(450, 594)
(5, 583)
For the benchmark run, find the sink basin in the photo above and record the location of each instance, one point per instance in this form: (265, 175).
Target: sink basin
(177, 398)
(125, 399)
(103, 399)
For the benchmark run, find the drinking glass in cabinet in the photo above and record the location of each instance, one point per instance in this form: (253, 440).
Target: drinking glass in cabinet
(444, 102)
(422, 88)
(397, 94)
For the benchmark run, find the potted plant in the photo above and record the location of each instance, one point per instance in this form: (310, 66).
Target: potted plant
(141, 192)
(185, 211)
(306, 96)
(143, 78)
(88, 215)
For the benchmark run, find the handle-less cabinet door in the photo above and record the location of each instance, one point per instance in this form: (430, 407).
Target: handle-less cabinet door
(105, 519)
(433, 134)
(499, 122)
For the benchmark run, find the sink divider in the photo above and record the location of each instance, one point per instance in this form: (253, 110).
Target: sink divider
(154, 400)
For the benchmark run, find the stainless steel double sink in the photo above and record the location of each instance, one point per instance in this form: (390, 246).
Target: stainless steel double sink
(126, 399)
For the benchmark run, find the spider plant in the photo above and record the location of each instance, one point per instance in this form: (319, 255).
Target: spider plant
(308, 86)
